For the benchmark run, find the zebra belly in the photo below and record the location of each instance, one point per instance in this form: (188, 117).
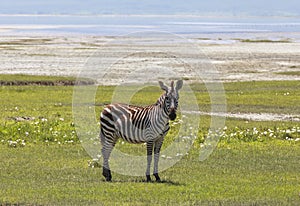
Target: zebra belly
(132, 134)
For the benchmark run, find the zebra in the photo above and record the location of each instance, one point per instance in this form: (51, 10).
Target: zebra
(136, 124)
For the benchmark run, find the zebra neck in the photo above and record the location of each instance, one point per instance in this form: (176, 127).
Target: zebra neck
(161, 104)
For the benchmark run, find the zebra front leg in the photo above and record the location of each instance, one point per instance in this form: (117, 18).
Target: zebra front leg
(149, 160)
(157, 147)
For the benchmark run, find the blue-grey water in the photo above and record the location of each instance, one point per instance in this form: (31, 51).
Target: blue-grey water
(122, 24)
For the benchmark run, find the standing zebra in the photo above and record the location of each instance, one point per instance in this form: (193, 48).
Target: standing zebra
(136, 124)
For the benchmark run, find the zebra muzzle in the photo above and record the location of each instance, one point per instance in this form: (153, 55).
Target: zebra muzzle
(172, 114)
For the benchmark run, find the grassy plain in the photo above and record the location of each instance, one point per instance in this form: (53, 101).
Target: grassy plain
(235, 174)
(255, 163)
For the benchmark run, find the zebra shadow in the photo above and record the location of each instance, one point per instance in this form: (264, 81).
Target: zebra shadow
(167, 182)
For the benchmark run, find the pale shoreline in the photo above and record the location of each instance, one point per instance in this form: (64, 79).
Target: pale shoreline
(68, 55)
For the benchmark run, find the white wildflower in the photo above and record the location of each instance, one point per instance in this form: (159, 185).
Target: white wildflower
(12, 143)
(186, 137)
(179, 154)
(44, 120)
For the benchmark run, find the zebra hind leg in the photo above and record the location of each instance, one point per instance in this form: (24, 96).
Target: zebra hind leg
(106, 150)
(106, 170)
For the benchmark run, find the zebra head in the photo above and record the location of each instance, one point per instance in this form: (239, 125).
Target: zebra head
(171, 98)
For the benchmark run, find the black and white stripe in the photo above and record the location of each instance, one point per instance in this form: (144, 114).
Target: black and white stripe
(137, 124)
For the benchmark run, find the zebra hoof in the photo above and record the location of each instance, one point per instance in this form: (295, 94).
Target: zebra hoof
(107, 174)
(148, 178)
(157, 177)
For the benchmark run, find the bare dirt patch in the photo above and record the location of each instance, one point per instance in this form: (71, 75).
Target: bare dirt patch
(67, 56)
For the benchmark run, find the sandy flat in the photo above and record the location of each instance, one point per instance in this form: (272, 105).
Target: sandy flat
(114, 60)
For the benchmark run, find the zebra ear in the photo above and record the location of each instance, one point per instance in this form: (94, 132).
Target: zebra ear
(179, 84)
(162, 86)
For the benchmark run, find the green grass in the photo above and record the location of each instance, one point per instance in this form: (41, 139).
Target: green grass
(26, 41)
(235, 174)
(292, 73)
(43, 162)
(264, 41)
(20, 80)
(271, 97)
(32, 78)
(47, 110)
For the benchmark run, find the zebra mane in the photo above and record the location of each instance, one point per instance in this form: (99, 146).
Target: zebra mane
(161, 99)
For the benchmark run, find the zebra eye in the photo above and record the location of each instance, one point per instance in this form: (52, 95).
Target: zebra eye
(167, 98)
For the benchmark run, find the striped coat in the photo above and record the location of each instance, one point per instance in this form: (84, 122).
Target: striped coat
(139, 125)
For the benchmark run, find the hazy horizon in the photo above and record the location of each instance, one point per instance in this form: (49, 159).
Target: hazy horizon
(154, 7)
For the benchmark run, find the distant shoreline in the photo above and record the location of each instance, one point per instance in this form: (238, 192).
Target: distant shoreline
(159, 15)
(121, 24)
(122, 57)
